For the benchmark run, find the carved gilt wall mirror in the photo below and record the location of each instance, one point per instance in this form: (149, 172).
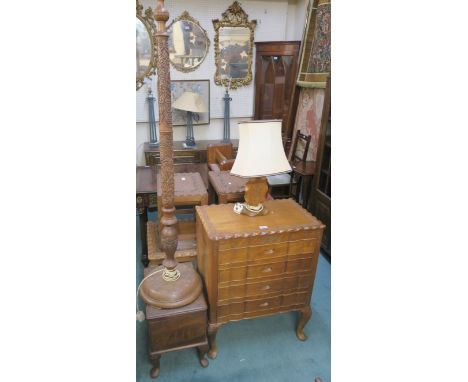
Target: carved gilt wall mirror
(145, 45)
(233, 46)
(188, 43)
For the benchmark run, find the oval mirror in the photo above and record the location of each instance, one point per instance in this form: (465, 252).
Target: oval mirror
(188, 43)
(145, 49)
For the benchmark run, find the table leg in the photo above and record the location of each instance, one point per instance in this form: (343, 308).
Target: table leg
(212, 331)
(202, 350)
(154, 373)
(304, 317)
(144, 245)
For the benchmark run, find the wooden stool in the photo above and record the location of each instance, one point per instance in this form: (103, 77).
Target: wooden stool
(189, 190)
(228, 188)
(177, 329)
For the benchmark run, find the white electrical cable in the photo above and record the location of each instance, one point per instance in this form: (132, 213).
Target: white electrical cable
(140, 315)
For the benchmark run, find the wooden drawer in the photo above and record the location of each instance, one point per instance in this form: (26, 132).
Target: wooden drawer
(303, 246)
(242, 273)
(253, 253)
(295, 299)
(300, 265)
(237, 310)
(243, 291)
(262, 304)
(265, 270)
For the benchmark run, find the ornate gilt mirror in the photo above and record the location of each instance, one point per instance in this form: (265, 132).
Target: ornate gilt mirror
(188, 43)
(145, 45)
(233, 46)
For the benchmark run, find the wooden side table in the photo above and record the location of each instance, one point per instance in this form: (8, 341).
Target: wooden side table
(146, 198)
(181, 154)
(228, 188)
(176, 329)
(189, 191)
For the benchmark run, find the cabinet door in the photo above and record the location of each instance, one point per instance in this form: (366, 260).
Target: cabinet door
(320, 203)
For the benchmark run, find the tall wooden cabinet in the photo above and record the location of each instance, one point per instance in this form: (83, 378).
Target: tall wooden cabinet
(276, 65)
(320, 203)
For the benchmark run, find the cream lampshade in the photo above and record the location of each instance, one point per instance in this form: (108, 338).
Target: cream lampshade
(260, 153)
(191, 103)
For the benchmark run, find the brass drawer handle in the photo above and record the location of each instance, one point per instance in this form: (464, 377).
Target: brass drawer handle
(266, 270)
(268, 252)
(266, 287)
(264, 304)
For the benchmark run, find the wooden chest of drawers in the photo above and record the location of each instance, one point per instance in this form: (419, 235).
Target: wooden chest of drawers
(256, 266)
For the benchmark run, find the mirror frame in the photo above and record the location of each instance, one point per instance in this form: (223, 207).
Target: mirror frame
(234, 16)
(186, 17)
(148, 21)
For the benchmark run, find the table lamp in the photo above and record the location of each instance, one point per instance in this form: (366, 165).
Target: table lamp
(192, 103)
(260, 154)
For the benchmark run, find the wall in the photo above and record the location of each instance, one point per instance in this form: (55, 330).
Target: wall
(277, 20)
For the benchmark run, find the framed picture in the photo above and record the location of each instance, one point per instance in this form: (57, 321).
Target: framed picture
(315, 55)
(202, 87)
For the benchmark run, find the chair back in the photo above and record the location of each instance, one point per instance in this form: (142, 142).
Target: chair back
(219, 156)
(306, 138)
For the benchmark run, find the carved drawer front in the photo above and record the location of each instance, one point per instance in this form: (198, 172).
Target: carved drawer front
(297, 282)
(265, 270)
(262, 304)
(299, 298)
(238, 242)
(269, 239)
(264, 287)
(266, 252)
(239, 310)
(302, 246)
(232, 256)
(300, 265)
(227, 274)
(241, 291)
(191, 329)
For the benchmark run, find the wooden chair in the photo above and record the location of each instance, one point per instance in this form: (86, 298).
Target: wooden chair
(301, 168)
(289, 185)
(220, 157)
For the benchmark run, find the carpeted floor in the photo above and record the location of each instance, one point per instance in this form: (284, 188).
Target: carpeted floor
(259, 350)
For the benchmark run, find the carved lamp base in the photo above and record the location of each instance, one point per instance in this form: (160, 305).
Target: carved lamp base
(159, 292)
(256, 191)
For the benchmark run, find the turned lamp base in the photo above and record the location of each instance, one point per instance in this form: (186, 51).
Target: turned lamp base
(256, 191)
(159, 293)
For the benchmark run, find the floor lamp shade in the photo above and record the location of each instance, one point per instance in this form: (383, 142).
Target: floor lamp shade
(190, 101)
(261, 151)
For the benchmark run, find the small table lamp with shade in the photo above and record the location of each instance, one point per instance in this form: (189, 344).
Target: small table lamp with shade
(261, 153)
(192, 103)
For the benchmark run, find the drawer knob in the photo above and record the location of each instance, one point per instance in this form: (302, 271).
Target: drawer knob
(266, 270)
(268, 252)
(264, 304)
(266, 287)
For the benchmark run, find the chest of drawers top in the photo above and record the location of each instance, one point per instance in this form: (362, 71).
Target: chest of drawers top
(286, 220)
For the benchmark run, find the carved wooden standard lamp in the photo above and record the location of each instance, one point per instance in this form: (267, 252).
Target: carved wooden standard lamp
(260, 154)
(172, 285)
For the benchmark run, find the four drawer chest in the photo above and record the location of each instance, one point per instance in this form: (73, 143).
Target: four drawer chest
(257, 266)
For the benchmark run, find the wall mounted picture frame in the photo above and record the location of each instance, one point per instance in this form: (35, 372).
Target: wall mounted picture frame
(315, 60)
(178, 87)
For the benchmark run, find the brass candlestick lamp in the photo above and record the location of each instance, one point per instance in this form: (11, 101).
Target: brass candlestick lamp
(171, 285)
(261, 153)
